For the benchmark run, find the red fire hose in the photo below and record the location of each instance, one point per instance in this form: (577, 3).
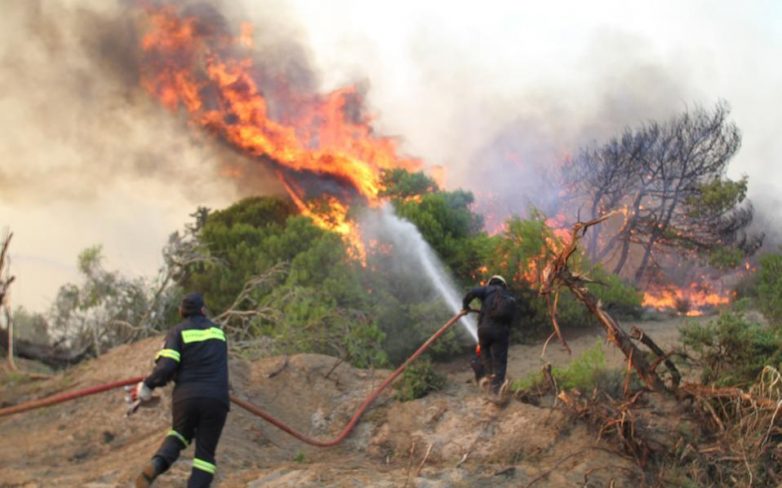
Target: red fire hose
(64, 397)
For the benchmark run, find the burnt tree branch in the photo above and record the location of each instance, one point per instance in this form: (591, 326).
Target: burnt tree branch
(557, 274)
(640, 335)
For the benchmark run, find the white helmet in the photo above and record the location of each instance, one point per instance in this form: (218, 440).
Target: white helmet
(497, 280)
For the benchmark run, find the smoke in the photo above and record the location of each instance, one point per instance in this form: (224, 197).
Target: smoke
(412, 261)
(506, 144)
(767, 220)
(500, 94)
(87, 157)
(80, 115)
(77, 122)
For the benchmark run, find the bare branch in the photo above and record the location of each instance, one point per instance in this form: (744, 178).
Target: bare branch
(557, 274)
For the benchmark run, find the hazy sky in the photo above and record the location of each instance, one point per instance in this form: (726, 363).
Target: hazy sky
(86, 159)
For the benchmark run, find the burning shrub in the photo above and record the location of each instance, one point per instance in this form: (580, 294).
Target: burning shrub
(732, 350)
(520, 253)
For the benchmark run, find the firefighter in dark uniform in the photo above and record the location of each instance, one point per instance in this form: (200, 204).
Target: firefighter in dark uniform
(195, 357)
(494, 322)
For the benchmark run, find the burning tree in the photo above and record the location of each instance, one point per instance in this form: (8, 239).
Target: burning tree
(318, 145)
(670, 181)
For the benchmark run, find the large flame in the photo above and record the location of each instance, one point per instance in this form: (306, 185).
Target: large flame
(209, 75)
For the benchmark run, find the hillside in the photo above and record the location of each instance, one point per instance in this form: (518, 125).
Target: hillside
(89, 442)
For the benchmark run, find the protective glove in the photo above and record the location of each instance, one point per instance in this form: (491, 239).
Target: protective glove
(137, 396)
(142, 393)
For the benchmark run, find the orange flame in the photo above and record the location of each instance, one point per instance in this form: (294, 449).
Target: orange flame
(694, 298)
(185, 66)
(560, 228)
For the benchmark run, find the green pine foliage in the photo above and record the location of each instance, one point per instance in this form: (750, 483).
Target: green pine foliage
(732, 350)
(769, 286)
(326, 302)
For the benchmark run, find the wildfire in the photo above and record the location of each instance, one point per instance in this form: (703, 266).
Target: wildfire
(210, 75)
(560, 228)
(691, 300)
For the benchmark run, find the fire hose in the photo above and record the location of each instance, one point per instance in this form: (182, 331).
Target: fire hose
(64, 397)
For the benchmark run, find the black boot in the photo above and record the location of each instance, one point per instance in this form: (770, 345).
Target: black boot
(154, 468)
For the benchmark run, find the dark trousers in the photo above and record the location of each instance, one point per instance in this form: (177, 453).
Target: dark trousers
(201, 419)
(494, 340)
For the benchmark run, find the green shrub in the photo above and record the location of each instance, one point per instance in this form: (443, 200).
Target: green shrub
(585, 372)
(622, 300)
(418, 379)
(769, 286)
(528, 382)
(747, 286)
(731, 350)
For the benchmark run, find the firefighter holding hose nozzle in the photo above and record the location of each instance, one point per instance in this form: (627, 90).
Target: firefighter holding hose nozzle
(498, 309)
(195, 357)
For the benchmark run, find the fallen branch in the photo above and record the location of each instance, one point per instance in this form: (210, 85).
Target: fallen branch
(640, 335)
(410, 463)
(557, 274)
(509, 471)
(703, 391)
(336, 365)
(279, 368)
(554, 323)
(423, 461)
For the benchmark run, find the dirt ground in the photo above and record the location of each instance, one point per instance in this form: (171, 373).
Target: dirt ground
(451, 438)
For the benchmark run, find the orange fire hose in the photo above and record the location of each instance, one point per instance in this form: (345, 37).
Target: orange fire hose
(64, 397)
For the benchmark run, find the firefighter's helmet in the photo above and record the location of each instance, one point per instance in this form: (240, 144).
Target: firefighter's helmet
(497, 280)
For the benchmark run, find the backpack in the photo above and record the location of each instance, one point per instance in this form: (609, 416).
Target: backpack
(501, 306)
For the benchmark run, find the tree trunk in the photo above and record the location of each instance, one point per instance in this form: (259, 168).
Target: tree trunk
(623, 256)
(44, 353)
(10, 335)
(593, 239)
(625, 233)
(660, 229)
(5, 283)
(639, 273)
